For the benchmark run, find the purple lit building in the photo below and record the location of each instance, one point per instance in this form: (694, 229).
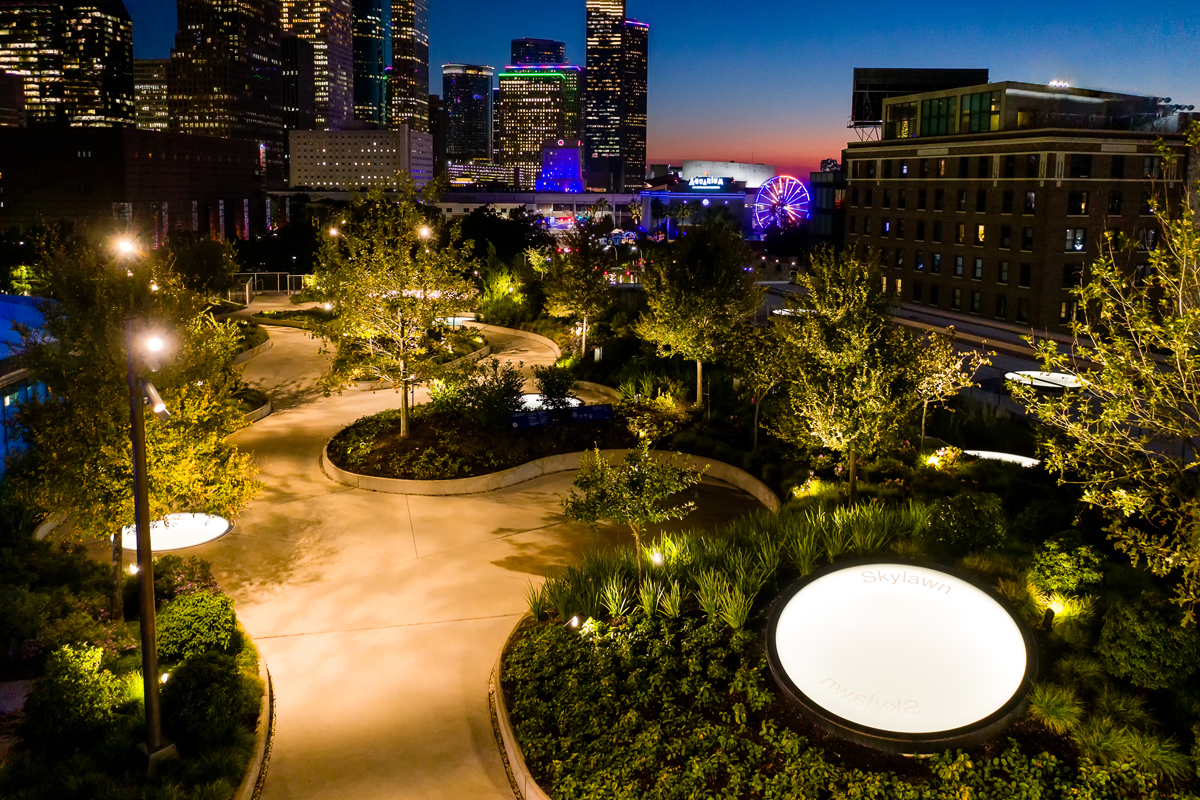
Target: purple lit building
(562, 167)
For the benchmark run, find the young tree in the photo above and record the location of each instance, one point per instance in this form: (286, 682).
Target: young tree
(1129, 436)
(635, 493)
(697, 293)
(391, 280)
(760, 358)
(852, 385)
(944, 372)
(79, 460)
(575, 282)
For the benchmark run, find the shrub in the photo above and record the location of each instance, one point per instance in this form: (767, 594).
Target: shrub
(195, 623)
(492, 393)
(22, 614)
(555, 384)
(1062, 565)
(1145, 643)
(73, 701)
(206, 700)
(175, 576)
(77, 629)
(1056, 707)
(968, 521)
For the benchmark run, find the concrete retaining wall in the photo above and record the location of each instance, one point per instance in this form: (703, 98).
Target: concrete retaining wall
(283, 323)
(243, 357)
(536, 469)
(523, 784)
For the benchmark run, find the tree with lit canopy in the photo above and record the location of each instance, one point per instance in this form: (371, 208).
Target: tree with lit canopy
(633, 493)
(391, 278)
(1130, 435)
(575, 283)
(79, 460)
(698, 291)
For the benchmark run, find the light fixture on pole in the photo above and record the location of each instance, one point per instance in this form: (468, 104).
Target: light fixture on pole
(139, 352)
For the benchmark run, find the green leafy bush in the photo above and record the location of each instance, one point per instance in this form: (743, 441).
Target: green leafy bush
(967, 521)
(207, 699)
(195, 623)
(1145, 643)
(554, 384)
(493, 393)
(1063, 565)
(74, 700)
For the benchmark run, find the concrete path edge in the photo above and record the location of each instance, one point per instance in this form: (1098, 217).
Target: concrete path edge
(536, 469)
(261, 412)
(597, 388)
(246, 355)
(256, 773)
(523, 785)
(536, 337)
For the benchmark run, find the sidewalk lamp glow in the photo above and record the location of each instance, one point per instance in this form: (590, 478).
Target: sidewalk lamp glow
(126, 246)
(424, 232)
(333, 232)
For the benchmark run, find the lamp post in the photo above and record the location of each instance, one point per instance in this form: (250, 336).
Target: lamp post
(139, 392)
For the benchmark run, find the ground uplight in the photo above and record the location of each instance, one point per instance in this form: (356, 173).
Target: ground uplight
(1011, 458)
(177, 531)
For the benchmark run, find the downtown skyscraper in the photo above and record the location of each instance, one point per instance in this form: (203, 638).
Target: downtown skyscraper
(75, 60)
(408, 84)
(372, 58)
(467, 100)
(328, 24)
(224, 75)
(615, 97)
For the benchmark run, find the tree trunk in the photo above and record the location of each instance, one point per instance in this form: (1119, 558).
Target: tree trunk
(853, 477)
(924, 409)
(404, 398)
(699, 383)
(583, 344)
(757, 405)
(637, 539)
(117, 607)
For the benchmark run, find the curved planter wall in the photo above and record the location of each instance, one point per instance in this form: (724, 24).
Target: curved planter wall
(243, 357)
(259, 413)
(597, 388)
(536, 469)
(523, 784)
(535, 337)
(256, 773)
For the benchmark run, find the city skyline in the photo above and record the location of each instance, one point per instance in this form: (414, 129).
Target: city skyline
(778, 89)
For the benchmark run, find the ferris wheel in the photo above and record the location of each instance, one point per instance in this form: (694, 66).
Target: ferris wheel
(780, 203)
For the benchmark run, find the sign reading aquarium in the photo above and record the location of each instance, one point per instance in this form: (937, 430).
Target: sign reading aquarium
(901, 657)
(709, 183)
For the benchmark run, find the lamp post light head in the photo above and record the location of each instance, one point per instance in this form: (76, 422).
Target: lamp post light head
(126, 246)
(424, 232)
(333, 232)
(155, 401)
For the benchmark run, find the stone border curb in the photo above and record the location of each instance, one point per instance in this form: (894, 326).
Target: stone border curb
(536, 337)
(535, 469)
(283, 323)
(522, 783)
(264, 737)
(379, 386)
(259, 413)
(246, 355)
(597, 388)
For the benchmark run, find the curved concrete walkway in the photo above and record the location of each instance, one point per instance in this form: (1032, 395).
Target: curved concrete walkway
(380, 615)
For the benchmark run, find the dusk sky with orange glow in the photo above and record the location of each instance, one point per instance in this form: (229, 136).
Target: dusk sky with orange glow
(770, 81)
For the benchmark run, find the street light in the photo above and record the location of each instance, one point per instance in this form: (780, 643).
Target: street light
(333, 232)
(143, 351)
(126, 246)
(424, 232)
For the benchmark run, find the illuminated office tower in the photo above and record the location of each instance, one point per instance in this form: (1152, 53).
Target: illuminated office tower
(372, 58)
(467, 99)
(150, 94)
(328, 25)
(224, 75)
(299, 90)
(602, 95)
(76, 60)
(538, 51)
(408, 84)
(635, 41)
(538, 104)
(98, 64)
(31, 45)
(497, 127)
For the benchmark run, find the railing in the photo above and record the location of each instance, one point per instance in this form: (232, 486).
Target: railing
(241, 294)
(273, 282)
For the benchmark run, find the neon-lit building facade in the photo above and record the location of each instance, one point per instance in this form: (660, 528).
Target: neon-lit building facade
(562, 167)
(328, 24)
(467, 99)
(539, 103)
(635, 43)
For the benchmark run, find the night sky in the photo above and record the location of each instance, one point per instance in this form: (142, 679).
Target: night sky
(770, 81)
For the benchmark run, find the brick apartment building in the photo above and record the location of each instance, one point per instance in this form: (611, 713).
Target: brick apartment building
(990, 201)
